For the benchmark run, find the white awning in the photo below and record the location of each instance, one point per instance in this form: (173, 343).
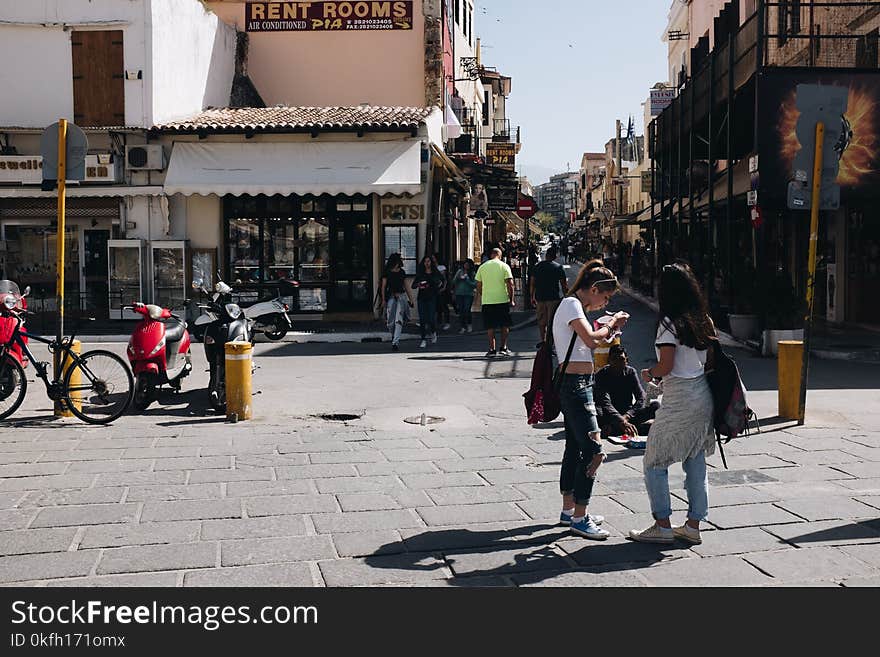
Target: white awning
(73, 191)
(392, 167)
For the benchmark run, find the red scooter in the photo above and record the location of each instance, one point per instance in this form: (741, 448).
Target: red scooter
(158, 351)
(7, 322)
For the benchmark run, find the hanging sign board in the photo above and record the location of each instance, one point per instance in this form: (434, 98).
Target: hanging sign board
(328, 16)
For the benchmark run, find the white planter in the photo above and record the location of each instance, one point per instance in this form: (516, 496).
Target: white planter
(743, 327)
(771, 338)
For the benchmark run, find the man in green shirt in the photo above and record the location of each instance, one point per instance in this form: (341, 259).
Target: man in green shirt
(495, 285)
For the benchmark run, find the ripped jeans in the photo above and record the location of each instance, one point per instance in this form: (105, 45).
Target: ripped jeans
(582, 438)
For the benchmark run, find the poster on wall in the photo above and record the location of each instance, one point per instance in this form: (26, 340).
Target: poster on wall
(328, 16)
(858, 133)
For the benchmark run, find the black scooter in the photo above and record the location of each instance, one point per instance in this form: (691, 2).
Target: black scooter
(227, 324)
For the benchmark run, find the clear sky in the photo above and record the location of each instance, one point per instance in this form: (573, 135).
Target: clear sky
(577, 65)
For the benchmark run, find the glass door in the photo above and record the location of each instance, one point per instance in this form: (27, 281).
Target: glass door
(94, 272)
(124, 276)
(352, 246)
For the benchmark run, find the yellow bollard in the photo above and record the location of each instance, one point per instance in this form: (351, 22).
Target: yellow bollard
(75, 380)
(238, 381)
(791, 354)
(600, 354)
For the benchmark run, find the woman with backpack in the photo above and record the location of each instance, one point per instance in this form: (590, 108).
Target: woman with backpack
(396, 298)
(683, 431)
(575, 338)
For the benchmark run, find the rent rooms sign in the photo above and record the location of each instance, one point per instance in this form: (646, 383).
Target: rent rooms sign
(328, 16)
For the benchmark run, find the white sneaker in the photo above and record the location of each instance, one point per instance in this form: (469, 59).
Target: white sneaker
(433, 338)
(688, 533)
(470, 329)
(653, 534)
(445, 327)
(422, 344)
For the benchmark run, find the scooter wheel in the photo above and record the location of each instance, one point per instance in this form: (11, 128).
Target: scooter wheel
(144, 394)
(279, 332)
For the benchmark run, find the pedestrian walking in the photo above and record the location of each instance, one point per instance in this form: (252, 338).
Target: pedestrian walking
(547, 287)
(428, 283)
(495, 285)
(593, 287)
(396, 298)
(683, 431)
(444, 298)
(465, 285)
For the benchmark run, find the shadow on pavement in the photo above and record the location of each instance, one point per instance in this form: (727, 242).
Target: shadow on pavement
(472, 555)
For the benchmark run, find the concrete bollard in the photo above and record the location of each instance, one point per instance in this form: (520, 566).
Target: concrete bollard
(791, 354)
(600, 354)
(238, 381)
(75, 380)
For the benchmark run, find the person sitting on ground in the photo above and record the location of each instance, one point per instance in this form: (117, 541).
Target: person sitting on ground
(620, 398)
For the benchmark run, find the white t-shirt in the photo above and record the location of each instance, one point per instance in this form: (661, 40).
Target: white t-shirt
(569, 309)
(689, 362)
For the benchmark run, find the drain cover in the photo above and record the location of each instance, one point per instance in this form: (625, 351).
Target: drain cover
(340, 417)
(424, 420)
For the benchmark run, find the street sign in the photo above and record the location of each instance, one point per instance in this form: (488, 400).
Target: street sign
(526, 208)
(501, 154)
(77, 147)
(752, 198)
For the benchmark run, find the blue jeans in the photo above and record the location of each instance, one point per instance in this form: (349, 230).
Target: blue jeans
(696, 483)
(581, 436)
(463, 306)
(427, 315)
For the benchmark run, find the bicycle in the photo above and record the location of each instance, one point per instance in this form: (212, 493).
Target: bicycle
(96, 387)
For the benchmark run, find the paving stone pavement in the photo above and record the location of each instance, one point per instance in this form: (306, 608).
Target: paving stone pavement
(178, 497)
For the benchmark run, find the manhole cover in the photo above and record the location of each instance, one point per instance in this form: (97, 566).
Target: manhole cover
(424, 420)
(340, 417)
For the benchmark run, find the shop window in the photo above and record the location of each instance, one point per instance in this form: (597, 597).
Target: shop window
(244, 250)
(279, 248)
(402, 240)
(314, 250)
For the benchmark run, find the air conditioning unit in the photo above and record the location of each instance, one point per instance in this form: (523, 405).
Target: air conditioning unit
(144, 158)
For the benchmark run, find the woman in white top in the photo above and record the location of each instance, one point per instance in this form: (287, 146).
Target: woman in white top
(593, 287)
(683, 431)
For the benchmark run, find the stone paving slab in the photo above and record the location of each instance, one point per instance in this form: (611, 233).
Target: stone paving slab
(26, 567)
(120, 465)
(861, 470)
(79, 480)
(376, 571)
(828, 508)
(371, 543)
(816, 563)
(89, 514)
(468, 514)
(618, 550)
(806, 473)
(53, 497)
(723, 542)
(270, 526)
(581, 579)
(174, 492)
(31, 469)
(493, 534)
(732, 517)
(191, 510)
(106, 536)
(286, 574)
(238, 474)
(167, 579)
(359, 521)
(868, 554)
(275, 550)
(30, 541)
(395, 468)
(714, 571)
(424, 481)
(140, 478)
(826, 533)
(280, 505)
(144, 558)
(267, 488)
(16, 518)
(474, 495)
(376, 483)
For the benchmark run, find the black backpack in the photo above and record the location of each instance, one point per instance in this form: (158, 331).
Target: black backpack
(732, 412)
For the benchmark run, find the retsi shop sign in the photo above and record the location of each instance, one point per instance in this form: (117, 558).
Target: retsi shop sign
(332, 16)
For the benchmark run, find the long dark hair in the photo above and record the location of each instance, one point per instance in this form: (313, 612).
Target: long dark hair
(595, 273)
(393, 260)
(682, 302)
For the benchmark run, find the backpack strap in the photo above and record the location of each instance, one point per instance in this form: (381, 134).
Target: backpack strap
(721, 449)
(557, 378)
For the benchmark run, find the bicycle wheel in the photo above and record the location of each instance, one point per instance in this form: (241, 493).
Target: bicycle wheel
(13, 386)
(99, 388)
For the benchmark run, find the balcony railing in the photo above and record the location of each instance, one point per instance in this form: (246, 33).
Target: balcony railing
(501, 130)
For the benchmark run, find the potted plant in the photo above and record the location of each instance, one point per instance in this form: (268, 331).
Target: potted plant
(783, 311)
(744, 322)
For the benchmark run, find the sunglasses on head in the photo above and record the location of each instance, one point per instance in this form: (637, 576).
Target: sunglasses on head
(606, 280)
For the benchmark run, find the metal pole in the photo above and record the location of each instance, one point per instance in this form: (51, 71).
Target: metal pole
(729, 227)
(619, 172)
(59, 274)
(811, 277)
(711, 241)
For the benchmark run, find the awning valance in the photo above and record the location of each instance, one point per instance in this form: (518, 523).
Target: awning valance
(73, 191)
(392, 167)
